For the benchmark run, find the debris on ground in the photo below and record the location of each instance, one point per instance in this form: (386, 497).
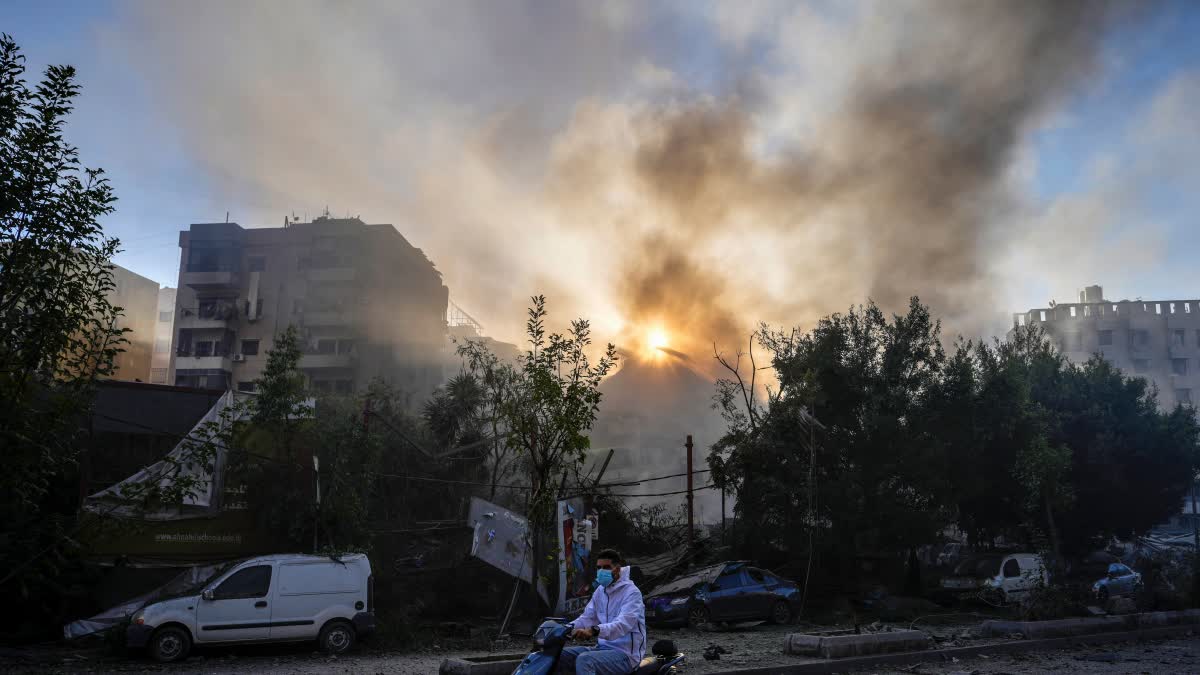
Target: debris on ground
(714, 652)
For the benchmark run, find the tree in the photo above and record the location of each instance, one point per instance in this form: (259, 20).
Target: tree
(57, 326)
(540, 411)
(878, 481)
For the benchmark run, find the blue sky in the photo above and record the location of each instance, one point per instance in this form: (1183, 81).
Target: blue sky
(127, 123)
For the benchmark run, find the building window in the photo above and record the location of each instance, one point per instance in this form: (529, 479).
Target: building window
(166, 317)
(204, 348)
(162, 345)
(343, 386)
(1042, 312)
(1179, 366)
(249, 347)
(1105, 338)
(1179, 338)
(1183, 396)
(158, 376)
(247, 386)
(1072, 311)
(1141, 365)
(322, 386)
(1139, 339)
(256, 263)
(257, 308)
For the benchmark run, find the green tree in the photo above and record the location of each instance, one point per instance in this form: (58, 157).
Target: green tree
(57, 326)
(877, 478)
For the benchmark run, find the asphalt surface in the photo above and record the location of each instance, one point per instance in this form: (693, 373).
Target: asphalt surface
(751, 647)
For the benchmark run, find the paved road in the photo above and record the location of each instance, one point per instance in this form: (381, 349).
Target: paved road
(745, 649)
(1169, 656)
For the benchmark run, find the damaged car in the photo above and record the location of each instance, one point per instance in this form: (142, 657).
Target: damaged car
(997, 578)
(1120, 581)
(721, 593)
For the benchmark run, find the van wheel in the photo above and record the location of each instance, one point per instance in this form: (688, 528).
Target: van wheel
(781, 613)
(697, 616)
(336, 637)
(169, 644)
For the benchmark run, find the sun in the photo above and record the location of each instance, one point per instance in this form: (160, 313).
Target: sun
(657, 339)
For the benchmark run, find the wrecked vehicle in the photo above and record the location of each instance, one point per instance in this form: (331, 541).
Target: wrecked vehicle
(997, 577)
(1120, 581)
(275, 598)
(729, 591)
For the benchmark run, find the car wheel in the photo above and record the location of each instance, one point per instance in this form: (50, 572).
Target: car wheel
(169, 644)
(697, 616)
(781, 613)
(336, 637)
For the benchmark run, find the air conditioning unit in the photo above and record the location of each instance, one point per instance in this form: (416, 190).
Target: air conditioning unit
(238, 358)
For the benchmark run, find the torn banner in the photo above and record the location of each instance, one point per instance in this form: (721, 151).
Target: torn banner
(500, 538)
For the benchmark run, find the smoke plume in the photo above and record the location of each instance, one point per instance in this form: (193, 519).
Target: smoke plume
(814, 159)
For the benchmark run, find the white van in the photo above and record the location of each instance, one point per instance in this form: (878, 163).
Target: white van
(998, 577)
(275, 598)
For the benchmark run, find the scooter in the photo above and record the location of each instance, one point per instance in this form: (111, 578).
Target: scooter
(553, 634)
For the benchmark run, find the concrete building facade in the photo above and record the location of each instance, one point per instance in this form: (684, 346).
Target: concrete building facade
(164, 329)
(138, 298)
(365, 301)
(1158, 340)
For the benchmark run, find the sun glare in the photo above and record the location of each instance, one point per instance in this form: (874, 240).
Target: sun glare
(658, 339)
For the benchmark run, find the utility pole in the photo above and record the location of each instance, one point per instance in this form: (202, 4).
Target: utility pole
(690, 496)
(724, 539)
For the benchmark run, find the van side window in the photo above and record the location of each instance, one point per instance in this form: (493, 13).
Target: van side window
(1012, 569)
(756, 575)
(250, 582)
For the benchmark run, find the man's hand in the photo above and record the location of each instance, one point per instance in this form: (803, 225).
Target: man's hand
(585, 633)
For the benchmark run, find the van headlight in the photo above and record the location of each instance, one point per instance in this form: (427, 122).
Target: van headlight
(679, 601)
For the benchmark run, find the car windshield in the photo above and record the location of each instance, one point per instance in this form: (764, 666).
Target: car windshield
(689, 581)
(984, 567)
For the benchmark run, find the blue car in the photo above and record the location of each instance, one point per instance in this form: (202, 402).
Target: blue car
(1120, 581)
(725, 592)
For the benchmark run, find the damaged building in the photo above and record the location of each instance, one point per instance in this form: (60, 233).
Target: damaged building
(366, 302)
(1158, 340)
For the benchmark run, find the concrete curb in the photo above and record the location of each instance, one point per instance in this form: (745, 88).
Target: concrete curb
(846, 646)
(500, 664)
(942, 655)
(1035, 630)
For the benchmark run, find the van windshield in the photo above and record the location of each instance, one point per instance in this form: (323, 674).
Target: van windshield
(983, 567)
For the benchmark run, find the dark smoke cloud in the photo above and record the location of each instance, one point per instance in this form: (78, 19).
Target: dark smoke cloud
(866, 153)
(909, 174)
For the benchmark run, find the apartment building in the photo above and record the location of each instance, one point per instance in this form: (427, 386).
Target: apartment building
(366, 302)
(164, 329)
(1156, 339)
(137, 296)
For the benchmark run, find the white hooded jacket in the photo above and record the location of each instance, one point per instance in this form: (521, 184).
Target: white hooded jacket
(621, 615)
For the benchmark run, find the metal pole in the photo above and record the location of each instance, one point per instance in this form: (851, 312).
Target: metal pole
(724, 539)
(690, 496)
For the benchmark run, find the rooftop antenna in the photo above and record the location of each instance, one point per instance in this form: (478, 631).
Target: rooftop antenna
(227, 216)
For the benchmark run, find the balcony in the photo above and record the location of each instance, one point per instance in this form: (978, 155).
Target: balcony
(208, 315)
(193, 362)
(319, 361)
(210, 280)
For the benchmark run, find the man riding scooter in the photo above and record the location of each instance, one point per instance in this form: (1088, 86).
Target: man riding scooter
(615, 615)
